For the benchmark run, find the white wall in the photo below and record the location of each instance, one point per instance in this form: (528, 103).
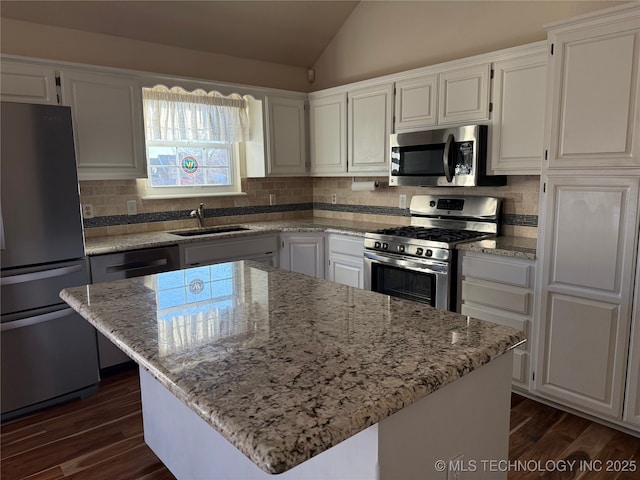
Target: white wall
(42, 41)
(382, 37)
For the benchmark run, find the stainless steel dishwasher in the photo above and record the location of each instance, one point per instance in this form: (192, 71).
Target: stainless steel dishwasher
(129, 264)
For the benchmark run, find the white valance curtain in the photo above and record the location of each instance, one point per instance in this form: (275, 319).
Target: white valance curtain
(177, 115)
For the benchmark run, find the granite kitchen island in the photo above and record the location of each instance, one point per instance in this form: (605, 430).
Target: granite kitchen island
(248, 370)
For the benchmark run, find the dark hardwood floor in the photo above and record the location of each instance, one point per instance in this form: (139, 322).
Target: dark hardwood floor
(101, 438)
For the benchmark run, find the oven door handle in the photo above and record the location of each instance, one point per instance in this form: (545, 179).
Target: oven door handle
(437, 268)
(446, 158)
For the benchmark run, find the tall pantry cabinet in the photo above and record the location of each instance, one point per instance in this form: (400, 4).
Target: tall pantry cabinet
(589, 217)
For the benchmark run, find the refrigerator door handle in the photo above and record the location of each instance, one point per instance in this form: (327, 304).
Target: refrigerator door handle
(41, 275)
(27, 322)
(2, 247)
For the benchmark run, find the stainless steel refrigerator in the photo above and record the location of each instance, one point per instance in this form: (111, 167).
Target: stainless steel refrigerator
(48, 352)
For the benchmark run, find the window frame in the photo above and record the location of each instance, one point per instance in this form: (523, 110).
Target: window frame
(237, 169)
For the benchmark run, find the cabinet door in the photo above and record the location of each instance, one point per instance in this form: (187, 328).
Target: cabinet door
(632, 397)
(346, 260)
(25, 83)
(585, 291)
(107, 124)
(464, 95)
(416, 103)
(517, 141)
(303, 254)
(328, 136)
(347, 270)
(286, 136)
(370, 121)
(594, 98)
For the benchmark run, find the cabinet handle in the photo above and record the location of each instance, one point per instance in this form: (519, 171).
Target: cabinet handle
(27, 322)
(30, 277)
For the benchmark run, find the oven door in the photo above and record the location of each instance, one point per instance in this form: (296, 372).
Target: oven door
(424, 281)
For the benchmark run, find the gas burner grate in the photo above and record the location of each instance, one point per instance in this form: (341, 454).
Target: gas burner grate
(433, 234)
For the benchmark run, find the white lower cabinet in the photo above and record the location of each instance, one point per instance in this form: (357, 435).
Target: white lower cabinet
(631, 413)
(303, 253)
(585, 291)
(261, 248)
(499, 289)
(346, 260)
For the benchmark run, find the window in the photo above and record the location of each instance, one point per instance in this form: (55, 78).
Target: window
(193, 141)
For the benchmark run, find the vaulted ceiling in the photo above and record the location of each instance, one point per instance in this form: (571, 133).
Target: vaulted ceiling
(287, 32)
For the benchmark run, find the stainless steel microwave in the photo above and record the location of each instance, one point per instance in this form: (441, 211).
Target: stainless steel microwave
(449, 157)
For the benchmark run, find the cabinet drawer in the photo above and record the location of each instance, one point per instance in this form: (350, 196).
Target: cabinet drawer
(346, 245)
(505, 298)
(496, 316)
(518, 274)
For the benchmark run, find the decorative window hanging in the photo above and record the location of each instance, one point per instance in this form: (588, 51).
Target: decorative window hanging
(176, 115)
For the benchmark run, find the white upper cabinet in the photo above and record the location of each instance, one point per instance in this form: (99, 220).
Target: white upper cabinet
(594, 92)
(25, 83)
(370, 123)
(107, 122)
(286, 136)
(416, 102)
(517, 138)
(350, 130)
(328, 124)
(463, 95)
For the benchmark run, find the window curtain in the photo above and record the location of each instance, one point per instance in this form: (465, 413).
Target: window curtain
(176, 115)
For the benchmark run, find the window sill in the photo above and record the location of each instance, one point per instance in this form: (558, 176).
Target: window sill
(194, 195)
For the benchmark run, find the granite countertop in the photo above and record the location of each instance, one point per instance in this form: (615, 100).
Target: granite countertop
(517, 247)
(284, 365)
(521, 247)
(133, 241)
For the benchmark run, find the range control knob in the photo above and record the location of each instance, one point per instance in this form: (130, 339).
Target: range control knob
(401, 248)
(377, 245)
(429, 253)
(385, 246)
(419, 251)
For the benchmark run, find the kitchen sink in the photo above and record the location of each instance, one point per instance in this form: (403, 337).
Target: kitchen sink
(208, 231)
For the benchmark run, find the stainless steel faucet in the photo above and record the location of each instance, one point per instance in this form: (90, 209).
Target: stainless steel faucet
(199, 214)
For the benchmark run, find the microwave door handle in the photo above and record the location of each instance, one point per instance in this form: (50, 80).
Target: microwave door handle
(446, 158)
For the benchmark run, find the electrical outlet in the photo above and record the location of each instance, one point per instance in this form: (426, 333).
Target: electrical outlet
(333, 198)
(402, 203)
(87, 210)
(132, 207)
(272, 199)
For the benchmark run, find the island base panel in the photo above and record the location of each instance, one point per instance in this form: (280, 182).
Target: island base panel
(465, 424)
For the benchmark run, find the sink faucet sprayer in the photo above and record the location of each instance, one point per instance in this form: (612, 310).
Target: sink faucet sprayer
(199, 214)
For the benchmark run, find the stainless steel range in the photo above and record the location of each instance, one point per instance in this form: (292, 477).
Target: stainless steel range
(418, 262)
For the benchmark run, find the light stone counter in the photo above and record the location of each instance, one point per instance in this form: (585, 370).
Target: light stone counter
(285, 366)
(508, 246)
(133, 241)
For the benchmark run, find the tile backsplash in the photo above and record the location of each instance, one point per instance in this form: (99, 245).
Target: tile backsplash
(295, 197)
